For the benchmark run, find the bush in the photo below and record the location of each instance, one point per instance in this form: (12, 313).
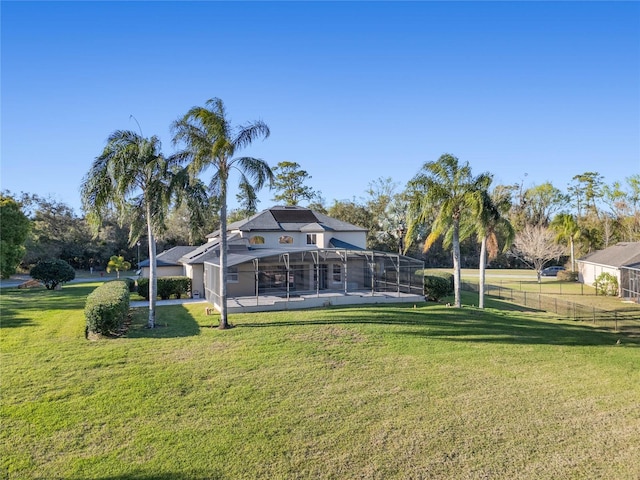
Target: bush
(52, 273)
(436, 287)
(606, 284)
(567, 276)
(131, 283)
(107, 307)
(167, 286)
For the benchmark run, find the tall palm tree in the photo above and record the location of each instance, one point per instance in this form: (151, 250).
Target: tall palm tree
(567, 229)
(489, 220)
(132, 176)
(211, 141)
(446, 193)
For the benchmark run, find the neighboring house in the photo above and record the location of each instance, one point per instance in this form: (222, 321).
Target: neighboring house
(294, 257)
(621, 260)
(167, 263)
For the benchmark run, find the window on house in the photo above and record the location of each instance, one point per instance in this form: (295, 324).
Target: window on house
(311, 238)
(256, 240)
(337, 273)
(232, 274)
(285, 239)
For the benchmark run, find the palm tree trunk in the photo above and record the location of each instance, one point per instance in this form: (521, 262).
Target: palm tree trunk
(153, 276)
(483, 267)
(224, 324)
(573, 262)
(457, 287)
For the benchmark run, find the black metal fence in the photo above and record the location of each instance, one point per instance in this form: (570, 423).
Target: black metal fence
(618, 320)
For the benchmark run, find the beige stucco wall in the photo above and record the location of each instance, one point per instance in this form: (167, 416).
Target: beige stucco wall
(172, 271)
(196, 274)
(272, 239)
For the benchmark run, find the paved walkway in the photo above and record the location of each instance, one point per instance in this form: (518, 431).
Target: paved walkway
(173, 301)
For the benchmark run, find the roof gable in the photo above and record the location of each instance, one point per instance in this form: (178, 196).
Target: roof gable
(290, 219)
(170, 257)
(618, 255)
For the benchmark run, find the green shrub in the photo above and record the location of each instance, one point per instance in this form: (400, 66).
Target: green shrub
(107, 307)
(52, 273)
(142, 286)
(606, 284)
(131, 283)
(167, 286)
(567, 276)
(436, 287)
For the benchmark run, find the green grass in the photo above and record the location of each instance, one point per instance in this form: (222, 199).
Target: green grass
(389, 392)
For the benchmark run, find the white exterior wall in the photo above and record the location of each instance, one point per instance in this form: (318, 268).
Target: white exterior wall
(588, 272)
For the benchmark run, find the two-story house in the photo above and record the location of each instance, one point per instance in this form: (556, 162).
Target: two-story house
(294, 257)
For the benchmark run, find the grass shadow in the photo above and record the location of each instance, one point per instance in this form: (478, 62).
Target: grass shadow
(17, 305)
(171, 321)
(492, 325)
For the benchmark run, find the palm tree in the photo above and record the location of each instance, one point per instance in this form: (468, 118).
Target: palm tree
(134, 178)
(446, 192)
(567, 229)
(489, 220)
(117, 263)
(211, 141)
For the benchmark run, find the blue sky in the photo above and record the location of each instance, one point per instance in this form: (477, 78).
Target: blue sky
(351, 91)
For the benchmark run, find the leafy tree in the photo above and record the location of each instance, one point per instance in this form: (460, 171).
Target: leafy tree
(118, 263)
(56, 232)
(541, 202)
(446, 191)
(489, 220)
(567, 229)
(211, 141)
(52, 273)
(352, 212)
(289, 183)
(134, 178)
(14, 230)
(585, 191)
(535, 245)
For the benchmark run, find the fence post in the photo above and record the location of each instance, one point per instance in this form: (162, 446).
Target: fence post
(615, 317)
(594, 315)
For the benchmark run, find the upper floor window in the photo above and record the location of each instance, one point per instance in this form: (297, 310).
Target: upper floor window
(311, 239)
(256, 240)
(285, 239)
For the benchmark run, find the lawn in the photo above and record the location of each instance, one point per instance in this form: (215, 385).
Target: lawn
(385, 392)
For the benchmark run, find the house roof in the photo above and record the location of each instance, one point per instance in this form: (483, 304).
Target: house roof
(290, 219)
(170, 257)
(619, 255)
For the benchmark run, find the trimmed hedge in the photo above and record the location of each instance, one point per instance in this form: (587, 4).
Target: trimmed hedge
(167, 286)
(107, 307)
(567, 276)
(436, 287)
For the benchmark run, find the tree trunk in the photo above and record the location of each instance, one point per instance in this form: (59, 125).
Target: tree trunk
(153, 276)
(483, 266)
(573, 262)
(224, 324)
(457, 287)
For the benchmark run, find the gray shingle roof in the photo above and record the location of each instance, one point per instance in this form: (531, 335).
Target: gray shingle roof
(621, 254)
(170, 257)
(290, 219)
